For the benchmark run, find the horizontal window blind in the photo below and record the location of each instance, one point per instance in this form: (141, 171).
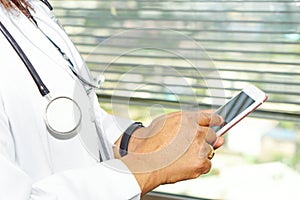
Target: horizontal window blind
(190, 53)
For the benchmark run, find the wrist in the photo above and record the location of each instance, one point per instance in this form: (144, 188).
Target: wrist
(136, 141)
(127, 138)
(146, 179)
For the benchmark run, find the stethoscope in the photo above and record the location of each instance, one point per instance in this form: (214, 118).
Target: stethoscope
(67, 125)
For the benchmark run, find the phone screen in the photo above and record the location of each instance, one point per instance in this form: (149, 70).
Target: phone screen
(233, 108)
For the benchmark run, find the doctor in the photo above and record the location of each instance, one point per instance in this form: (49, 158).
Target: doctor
(39, 163)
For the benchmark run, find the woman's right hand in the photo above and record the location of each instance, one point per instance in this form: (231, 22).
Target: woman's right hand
(174, 147)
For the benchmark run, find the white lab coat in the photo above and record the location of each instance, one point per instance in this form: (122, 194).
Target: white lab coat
(33, 164)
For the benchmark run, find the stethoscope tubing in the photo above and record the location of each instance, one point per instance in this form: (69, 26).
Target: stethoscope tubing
(44, 91)
(38, 81)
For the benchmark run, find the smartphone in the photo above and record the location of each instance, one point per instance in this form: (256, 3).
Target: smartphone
(238, 107)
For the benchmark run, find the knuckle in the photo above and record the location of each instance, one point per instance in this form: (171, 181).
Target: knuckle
(203, 130)
(195, 175)
(199, 167)
(205, 166)
(212, 132)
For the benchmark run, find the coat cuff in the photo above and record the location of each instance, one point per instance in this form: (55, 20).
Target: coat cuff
(107, 180)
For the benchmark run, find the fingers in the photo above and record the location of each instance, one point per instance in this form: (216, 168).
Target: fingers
(208, 133)
(208, 111)
(206, 166)
(209, 119)
(219, 142)
(207, 151)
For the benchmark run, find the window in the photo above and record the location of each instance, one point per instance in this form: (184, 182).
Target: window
(161, 56)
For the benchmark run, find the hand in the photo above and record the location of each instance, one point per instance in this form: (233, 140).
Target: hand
(173, 148)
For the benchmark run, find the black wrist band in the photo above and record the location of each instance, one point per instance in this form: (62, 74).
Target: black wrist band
(126, 137)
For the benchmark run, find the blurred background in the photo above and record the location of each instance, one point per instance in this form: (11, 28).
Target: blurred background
(163, 56)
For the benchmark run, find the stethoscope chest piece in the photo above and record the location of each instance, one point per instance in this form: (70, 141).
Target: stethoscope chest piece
(63, 118)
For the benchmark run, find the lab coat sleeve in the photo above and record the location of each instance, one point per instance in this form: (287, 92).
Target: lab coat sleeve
(108, 180)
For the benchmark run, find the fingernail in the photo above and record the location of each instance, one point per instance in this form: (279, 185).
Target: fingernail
(215, 144)
(221, 120)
